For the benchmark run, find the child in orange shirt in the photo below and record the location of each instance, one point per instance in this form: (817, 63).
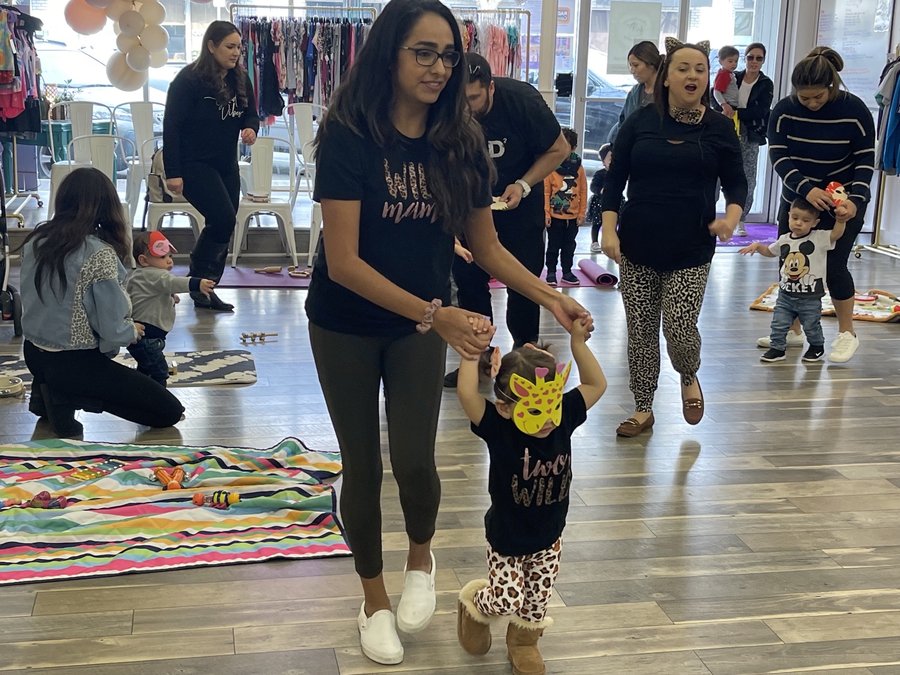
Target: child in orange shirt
(565, 206)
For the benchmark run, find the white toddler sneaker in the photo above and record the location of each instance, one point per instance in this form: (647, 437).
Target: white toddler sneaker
(844, 347)
(793, 340)
(418, 600)
(378, 636)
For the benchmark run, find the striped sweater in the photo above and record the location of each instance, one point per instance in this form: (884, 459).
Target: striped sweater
(810, 149)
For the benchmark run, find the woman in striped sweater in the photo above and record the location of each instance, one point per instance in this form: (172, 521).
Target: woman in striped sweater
(819, 134)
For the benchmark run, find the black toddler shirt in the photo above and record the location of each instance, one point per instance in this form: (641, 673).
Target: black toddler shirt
(400, 233)
(519, 128)
(529, 479)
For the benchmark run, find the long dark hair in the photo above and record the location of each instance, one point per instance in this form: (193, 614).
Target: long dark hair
(820, 68)
(86, 204)
(647, 52)
(205, 65)
(363, 104)
(661, 90)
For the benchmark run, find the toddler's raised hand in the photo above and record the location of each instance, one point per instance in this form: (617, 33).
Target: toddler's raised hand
(207, 286)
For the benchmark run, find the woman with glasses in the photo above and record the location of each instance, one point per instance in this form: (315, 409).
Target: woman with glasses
(754, 104)
(401, 169)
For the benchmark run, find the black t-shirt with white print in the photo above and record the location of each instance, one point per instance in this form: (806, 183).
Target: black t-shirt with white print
(400, 234)
(519, 128)
(529, 479)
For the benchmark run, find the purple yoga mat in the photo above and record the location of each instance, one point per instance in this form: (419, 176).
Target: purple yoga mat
(599, 275)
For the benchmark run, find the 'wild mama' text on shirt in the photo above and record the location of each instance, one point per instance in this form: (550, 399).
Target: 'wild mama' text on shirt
(410, 183)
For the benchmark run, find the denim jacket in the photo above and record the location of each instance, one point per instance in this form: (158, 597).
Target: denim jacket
(94, 312)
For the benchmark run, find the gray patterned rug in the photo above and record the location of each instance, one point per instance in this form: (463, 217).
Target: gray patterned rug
(194, 369)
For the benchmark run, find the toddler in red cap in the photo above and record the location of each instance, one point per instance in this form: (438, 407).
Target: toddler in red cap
(153, 290)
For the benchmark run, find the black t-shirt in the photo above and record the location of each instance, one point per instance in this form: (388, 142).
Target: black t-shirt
(671, 169)
(197, 129)
(400, 234)
(529, 479)
(519, 128)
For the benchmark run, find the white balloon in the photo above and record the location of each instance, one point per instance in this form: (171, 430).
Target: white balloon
(125, 42)
(131, 23)
(84, 18)
(153, 12)
(154, 38)
(138, 58)
(159, 59)
(102, 4)
(117, 8)
(122, 76)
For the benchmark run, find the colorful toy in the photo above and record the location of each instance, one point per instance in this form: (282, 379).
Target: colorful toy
(97, 470)
(220, 499)
(42, 500)
(837, 192)
(254, 337)
(170, 478)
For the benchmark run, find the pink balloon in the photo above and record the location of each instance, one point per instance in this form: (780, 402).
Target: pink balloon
(84, 18)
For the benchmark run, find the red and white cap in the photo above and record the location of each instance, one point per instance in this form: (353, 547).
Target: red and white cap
(158, 245)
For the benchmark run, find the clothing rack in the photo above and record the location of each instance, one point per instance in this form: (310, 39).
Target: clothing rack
(505, 15)
(877, 246)
(319, 10)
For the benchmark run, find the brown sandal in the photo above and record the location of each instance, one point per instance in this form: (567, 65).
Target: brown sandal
(298, 273)
(631, 427)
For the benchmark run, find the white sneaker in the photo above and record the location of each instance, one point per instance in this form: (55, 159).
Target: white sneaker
(740, 230)
(378, 636)
(793, 340)
(844, 347)
(595, 247)
(418, 600)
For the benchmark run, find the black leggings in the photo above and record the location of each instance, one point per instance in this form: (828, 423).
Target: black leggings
(352, 369)
(122, 391)
(523, 317)
(837, 276)
(215, 192)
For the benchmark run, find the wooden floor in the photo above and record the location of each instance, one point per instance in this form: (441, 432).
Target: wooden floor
(766, 539)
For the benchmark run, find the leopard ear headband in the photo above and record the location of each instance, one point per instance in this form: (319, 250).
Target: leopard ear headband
(673, 45)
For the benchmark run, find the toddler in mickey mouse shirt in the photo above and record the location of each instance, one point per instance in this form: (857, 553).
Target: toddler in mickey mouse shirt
(803, 253)
(528, 432)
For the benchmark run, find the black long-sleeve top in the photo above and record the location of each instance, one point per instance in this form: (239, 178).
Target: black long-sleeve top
(197, 129)
(671, 170)
(809, 149)
(755, 117)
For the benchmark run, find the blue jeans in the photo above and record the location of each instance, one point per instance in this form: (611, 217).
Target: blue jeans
(148, 352)
(788, 308)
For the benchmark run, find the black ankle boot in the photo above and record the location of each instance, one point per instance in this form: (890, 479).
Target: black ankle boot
(213, 302)
(208, 262)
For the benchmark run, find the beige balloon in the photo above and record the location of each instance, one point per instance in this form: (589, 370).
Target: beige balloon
(138, 58)
(117, 8)
(153, 12)
(121, 75)
(159, 59)
(154, 38)
(131, 23)
(126, 42)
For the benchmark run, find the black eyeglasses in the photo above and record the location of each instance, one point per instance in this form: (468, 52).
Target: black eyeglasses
(428, 57)
(756, 58)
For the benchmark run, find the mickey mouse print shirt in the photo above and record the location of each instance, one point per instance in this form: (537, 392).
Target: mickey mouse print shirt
(401, 234)
(803, 262)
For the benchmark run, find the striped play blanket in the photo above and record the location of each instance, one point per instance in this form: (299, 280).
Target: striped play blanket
(118, 518)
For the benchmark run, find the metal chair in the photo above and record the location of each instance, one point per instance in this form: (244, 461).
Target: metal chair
(81, 115)
(156, 211)
(263, 183)
(145, 119)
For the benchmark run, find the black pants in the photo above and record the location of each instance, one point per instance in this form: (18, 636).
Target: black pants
(837, 276)
(149, 354)
(352, 370)
(523, 317)
(122, 391)
(561, 243)
(215, 192)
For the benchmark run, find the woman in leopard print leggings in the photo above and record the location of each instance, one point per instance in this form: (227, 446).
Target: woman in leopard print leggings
(671, 154)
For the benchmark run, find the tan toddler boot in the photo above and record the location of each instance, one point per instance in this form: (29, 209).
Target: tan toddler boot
(522, 645)
(472, 627)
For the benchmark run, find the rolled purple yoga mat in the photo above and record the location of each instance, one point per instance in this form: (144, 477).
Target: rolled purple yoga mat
(600, 276)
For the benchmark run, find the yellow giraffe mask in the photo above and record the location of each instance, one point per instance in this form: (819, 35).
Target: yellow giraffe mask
(540, 400)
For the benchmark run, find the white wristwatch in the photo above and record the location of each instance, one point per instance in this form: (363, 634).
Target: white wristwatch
(526, 188)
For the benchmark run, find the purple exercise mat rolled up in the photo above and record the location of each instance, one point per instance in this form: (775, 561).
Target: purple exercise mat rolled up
(600, 276)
